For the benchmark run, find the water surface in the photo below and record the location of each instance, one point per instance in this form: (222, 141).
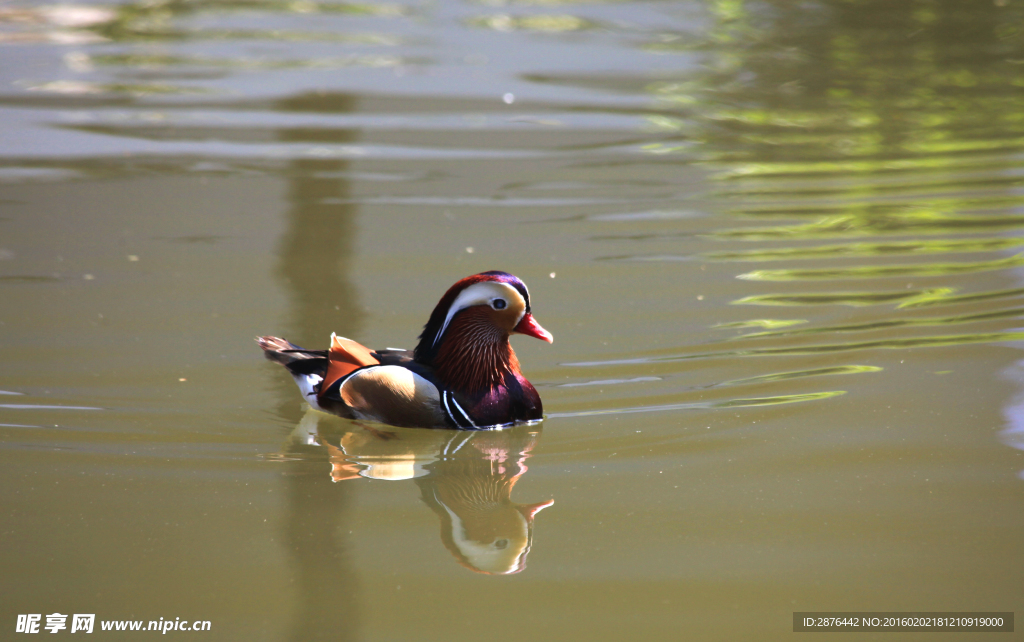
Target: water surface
(779, 247)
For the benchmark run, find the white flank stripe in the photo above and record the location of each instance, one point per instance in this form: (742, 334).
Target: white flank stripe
(462, 411)
(444, 401)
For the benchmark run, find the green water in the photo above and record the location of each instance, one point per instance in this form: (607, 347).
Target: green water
(778, 245)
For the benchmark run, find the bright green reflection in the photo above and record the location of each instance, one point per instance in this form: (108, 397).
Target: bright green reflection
(977, 191)
(946, 297)
(847, 167)
(923, 246)
(536, 22)
(780, 399)
(827, 348)
(896, 344)
(761, 323)
(829, 119)
(878, 324)
(868, 224)
(800, 374)
(81, 88)
(842, 298)
(876, 271)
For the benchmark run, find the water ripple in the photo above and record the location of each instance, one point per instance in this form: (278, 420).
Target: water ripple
(860, 250)
(843, 298)
(27, 406)
(851, 225)
(537, 22)
(880, 271)
(828, 348)
(800, 374)
(751, 402)
(880, 324)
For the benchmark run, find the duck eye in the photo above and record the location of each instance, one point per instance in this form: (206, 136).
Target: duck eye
(499, 304)
(501, 544)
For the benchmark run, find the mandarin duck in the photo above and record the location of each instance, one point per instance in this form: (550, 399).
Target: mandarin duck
(463, 373)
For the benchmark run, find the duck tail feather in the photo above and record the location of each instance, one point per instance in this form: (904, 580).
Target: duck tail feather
(291, 356)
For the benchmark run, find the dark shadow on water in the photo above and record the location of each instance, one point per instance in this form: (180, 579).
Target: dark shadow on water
(316, 248)
(312, 267)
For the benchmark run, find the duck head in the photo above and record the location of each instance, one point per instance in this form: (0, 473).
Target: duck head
(466, 338)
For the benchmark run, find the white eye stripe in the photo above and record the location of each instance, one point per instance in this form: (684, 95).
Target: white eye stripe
(479, 294)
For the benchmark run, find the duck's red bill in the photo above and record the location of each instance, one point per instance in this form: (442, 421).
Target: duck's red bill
(529, 326)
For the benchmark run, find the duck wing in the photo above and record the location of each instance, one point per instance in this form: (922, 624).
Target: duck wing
(384, 385)
(344, 357)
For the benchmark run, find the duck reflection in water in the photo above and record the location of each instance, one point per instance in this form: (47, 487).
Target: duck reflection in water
(465, 477)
